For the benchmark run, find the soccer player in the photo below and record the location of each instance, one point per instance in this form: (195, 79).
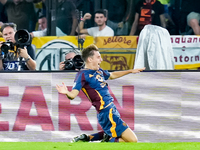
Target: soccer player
(91, 80)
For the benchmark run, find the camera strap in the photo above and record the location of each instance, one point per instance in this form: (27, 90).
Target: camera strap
(20, 64)
(13, 54)
(20, 60)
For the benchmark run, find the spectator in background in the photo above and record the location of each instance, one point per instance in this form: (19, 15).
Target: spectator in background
(66, 17)
(101, 30)
(3, 15)
(22, 13)
(42, 30)
(193, 18)
(39, 6)
(179, 10)
(117, 16)
(148, 12)
(170, 25)
(86, 6)
(68, 56)
(165, 3)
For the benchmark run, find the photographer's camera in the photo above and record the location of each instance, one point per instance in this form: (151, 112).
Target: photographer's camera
(6, 46)
(69, 65)
(22, 38)
(75, 63)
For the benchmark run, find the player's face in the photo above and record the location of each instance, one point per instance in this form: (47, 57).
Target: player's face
(9, 34)
(100, 19)
(96, 60)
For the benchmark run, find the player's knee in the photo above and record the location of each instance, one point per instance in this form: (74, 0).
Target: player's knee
(134, 140)
(131, 140)
(129, 136)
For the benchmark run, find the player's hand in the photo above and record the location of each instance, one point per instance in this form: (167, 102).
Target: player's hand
(137, 70)
(62, 89)
(87, 16)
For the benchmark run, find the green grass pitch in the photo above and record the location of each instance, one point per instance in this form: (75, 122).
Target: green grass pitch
(97, 146)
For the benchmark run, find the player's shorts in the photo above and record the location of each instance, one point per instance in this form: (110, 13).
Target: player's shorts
(193, 15)
(110, 121)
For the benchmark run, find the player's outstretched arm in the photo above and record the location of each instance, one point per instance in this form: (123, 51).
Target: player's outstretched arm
(118, 74)
(63, 90)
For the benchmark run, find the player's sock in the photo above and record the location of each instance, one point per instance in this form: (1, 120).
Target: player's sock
(96, 136)
(114, 139)
(106, 138)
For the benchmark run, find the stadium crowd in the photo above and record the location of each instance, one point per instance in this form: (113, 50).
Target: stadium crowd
(124, 17)
(98, 17)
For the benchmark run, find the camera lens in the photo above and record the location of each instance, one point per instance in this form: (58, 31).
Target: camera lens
(78, 62)
(5, 48)
(22, 37)
(69, 65)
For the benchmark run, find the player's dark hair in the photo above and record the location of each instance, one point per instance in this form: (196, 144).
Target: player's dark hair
(89, 51)
(12, 25)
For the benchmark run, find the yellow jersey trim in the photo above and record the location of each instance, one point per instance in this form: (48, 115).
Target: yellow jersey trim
(112, 129)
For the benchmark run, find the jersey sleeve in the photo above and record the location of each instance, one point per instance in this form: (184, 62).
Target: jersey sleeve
(106, 74)
(79, 81)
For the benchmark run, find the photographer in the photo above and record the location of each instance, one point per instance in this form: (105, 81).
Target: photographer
(15, 58)
(72, 62)
(68, 56)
